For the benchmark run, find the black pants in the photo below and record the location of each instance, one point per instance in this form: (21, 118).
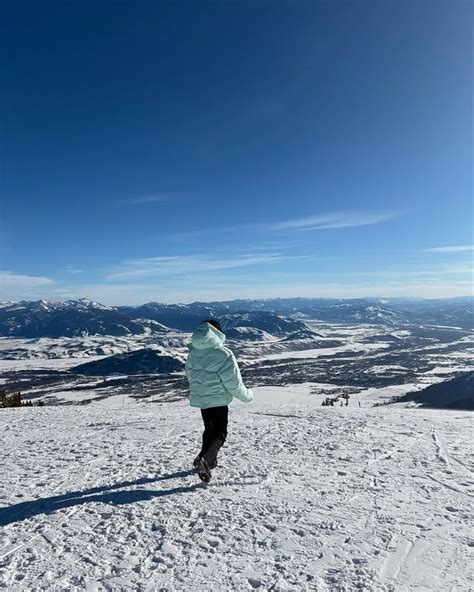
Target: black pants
(215, 432)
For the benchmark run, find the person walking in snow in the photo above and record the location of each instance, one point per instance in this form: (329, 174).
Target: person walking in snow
(214, 379)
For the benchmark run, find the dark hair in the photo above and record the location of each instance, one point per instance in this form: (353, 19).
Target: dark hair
(215, 324)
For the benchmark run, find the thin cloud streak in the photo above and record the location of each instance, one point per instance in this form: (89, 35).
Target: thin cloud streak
(17, 286)
(189, 265)
(332, 220)
(11, 280)
(336, 220)
(457, 249)
(146, 199)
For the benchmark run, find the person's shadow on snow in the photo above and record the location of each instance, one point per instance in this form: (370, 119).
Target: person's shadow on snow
(104, 494)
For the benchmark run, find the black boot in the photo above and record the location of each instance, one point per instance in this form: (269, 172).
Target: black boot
(197, 459)
(203, 469)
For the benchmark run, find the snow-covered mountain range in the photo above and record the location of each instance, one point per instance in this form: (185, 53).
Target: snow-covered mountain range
(274, 316)
(71, 318)
(455, 311)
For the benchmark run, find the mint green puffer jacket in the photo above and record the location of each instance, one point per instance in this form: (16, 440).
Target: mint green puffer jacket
(212, 370)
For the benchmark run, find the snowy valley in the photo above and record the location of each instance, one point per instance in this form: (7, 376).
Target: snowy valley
(355, 345)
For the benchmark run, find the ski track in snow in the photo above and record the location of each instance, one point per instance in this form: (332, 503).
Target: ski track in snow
(304, 498)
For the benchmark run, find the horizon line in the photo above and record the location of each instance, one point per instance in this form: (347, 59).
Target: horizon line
(388, 298)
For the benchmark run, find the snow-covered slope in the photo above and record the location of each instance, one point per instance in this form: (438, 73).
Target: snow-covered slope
(84, 346)
(305, 498)
(249, 334)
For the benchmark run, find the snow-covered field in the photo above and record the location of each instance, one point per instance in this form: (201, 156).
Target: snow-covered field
(101, 497)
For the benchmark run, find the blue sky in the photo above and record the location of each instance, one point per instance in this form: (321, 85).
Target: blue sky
(203, 151)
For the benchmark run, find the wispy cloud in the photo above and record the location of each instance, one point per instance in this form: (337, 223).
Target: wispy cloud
(72, 269)
(11, 280)
(335, 220)
(331, 220)
(189, 265)
(456, 249)
(145, 199)
(16, 286)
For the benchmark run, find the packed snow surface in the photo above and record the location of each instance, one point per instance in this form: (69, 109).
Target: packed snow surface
(101, 497)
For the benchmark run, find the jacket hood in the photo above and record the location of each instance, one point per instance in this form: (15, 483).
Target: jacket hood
(206, 336)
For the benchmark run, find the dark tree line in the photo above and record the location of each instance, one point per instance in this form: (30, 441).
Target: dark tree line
(15, 400)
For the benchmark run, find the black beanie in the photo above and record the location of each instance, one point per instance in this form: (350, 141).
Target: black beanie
(215, 324)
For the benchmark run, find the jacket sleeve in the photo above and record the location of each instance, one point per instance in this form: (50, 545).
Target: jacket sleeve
(187, 368)
(229, 375)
